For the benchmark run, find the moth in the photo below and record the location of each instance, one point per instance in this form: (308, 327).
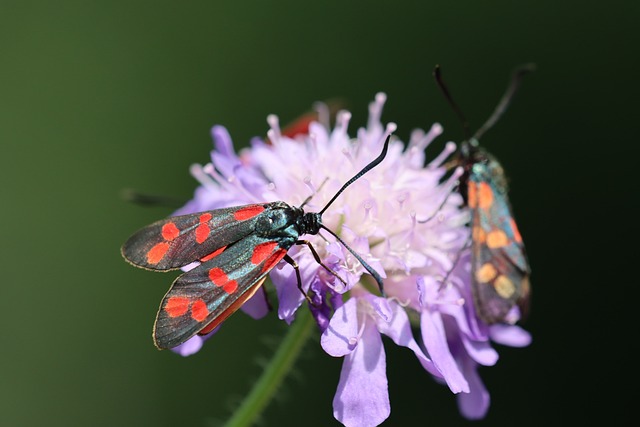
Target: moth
(499, 267)
(236, 248)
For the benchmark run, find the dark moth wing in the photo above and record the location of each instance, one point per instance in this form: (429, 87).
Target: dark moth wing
(180, 240)
(200, 299)
(500, 272)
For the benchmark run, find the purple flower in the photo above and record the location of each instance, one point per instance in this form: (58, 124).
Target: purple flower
(404, 218)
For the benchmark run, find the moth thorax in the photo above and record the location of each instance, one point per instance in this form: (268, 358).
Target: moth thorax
(309, 223)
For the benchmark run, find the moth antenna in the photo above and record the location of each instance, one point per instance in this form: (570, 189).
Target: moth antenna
(512, 88)
(364, 170)
(145, 199)
(445, 91)
(366, 266)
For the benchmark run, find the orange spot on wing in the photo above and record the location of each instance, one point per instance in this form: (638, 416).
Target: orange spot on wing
(478, 235)
(486, 273)
(485, 195)
(176, 306)
(248, 212)
(170, 231)
(472, 195)
(213, 254)
(202, 232)
(199, 311)
(273, 260)
(497, 239)
(157, 252)
(262, 252)
(516, 233)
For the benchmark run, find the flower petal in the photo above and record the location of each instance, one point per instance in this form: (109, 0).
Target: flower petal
(362, 398)
(341, 337)
(256, 306)
(435, 340)
(480, 351)
(511, 335)
(399, 330)
(193, 344)
(475, 404)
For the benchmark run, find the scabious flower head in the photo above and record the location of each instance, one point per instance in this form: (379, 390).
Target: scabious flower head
(403, 218)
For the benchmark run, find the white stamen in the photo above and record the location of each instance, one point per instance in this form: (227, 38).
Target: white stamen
(375, 110)
(345, 151)
(274, 124)
(368, 207)
(323, 114)
(309, 184)
(434, 132)
(402, 198)
(273, 135)
(200, 174)
(449, 148)
(342, 121)
(391, 128)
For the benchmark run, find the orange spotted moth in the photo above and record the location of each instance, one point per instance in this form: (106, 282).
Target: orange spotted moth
(236, 247)
(499, 267)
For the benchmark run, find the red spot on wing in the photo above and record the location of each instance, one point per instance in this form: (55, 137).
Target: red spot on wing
(262, 252)
(213, 254)
(176, 306)
(157, 252)
(273, 260)
(202, 233)
(199, 311)
(170, 231)
(203, 230)
(248, 212)
(230, 287)
(220, 279)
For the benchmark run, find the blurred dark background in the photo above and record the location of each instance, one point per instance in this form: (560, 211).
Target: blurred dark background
(96, 97)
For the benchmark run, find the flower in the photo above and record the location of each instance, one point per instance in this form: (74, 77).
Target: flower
(403, 218)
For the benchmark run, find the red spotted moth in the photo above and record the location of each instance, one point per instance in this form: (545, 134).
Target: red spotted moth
(236, 248)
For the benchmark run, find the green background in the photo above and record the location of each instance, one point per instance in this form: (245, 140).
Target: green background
(100, 96)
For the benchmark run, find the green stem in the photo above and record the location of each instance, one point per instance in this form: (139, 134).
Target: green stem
(275, 372)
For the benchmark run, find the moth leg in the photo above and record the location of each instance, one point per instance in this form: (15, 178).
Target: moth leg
(318, 260)
(296, 268)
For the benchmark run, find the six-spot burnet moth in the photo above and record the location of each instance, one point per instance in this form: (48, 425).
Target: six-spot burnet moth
(499, 267)
(236, 248)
